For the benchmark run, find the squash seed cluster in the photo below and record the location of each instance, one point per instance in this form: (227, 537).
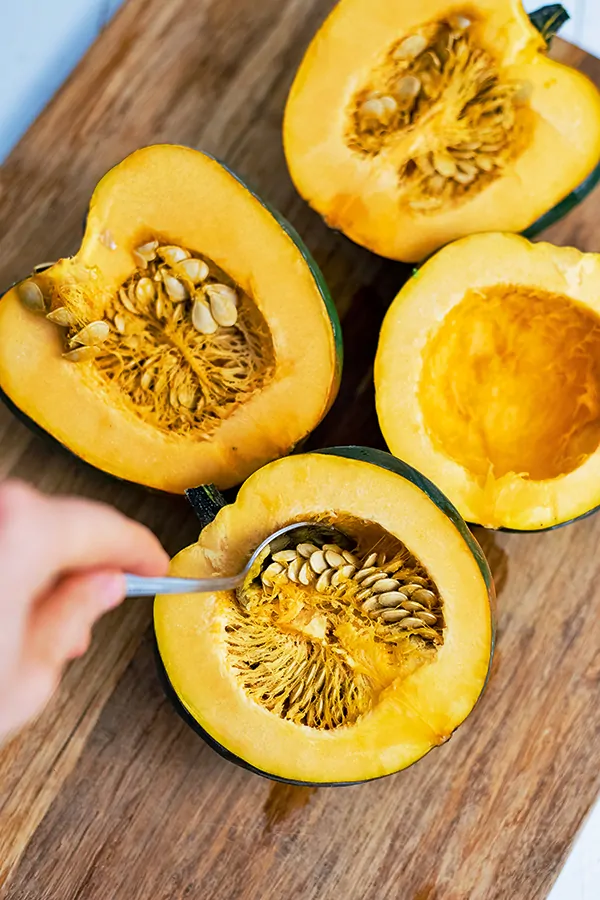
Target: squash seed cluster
(180, 344)
(300, 638)
(441, 110)
(390, 591)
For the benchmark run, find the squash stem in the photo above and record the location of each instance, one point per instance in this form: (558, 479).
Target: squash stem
(549, 20)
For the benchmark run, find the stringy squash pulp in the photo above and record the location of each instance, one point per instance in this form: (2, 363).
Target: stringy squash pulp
(336, 664)
(167, 350)
(496, 393)
(411, 124)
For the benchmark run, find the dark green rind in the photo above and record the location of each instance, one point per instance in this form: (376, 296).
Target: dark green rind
(565, 206)
(319, 281)
(208, 497)
(315, 271)
(549, 20)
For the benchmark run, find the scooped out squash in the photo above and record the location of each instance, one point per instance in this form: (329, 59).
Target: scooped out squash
(487, 377)
(190, 339)
(411, 124)
(334, 666)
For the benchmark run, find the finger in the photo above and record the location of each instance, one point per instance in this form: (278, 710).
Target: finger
(42, 537)
(61, 624)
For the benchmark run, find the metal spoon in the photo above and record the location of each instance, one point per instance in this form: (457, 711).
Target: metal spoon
(138, 586)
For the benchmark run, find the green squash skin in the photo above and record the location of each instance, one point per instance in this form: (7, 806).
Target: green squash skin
(323, 291)
(206, 503)
(549, 20)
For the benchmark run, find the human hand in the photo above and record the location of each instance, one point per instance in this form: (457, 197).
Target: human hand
(61, 565)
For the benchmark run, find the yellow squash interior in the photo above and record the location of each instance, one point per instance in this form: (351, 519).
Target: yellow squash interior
(265, 385)
(495, 394)
(496, 135)
(378, 710)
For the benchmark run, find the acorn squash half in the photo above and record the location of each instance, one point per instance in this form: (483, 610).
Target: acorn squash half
(411, 124)
(335, 665)
(191, 338)
(487, 377)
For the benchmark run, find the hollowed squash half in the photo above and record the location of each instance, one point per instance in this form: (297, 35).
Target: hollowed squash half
(190, 339)
(337, 664)
(411, 124)
(487, 377)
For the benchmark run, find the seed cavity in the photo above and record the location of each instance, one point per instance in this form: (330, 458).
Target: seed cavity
(475, 120)
(178, 343)
(293, 638)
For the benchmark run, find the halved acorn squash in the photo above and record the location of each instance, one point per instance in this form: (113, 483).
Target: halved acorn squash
(335, 665)
(192, 337)
(411, 124)
(487, 377)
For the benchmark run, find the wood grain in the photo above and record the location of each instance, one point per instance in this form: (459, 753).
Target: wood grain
(109, 794)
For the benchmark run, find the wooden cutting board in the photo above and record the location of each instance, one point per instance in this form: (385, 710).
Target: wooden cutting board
(109, 795)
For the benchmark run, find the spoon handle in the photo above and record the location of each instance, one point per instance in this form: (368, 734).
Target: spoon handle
(137, 586)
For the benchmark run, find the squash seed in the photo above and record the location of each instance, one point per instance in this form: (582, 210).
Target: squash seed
(428, 617)
(350, 558)
(306, 549)
(31, 296)
(334, 559)
(410, 622)
(384, 585)
(145, 291)
(424, 596)
(174, 287)
(306, 574)
(202, 319)
(391, 598)
(365, 572)
(194, 269)
(395, 615)
(81, 354)
(324, 580)
(172, 254)
(444, 164)
(223, 304)
(93, 334)
(284, 556)
(373, 579)
(408, 88)
(370, 605)
(318, 562)
(294, 569)
(411, 47)
(412, 605)
(61, 316)
(148, 250)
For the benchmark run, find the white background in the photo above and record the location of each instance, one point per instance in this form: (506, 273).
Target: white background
(42, 42)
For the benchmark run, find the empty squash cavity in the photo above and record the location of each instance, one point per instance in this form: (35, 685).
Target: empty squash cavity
(496, 393)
